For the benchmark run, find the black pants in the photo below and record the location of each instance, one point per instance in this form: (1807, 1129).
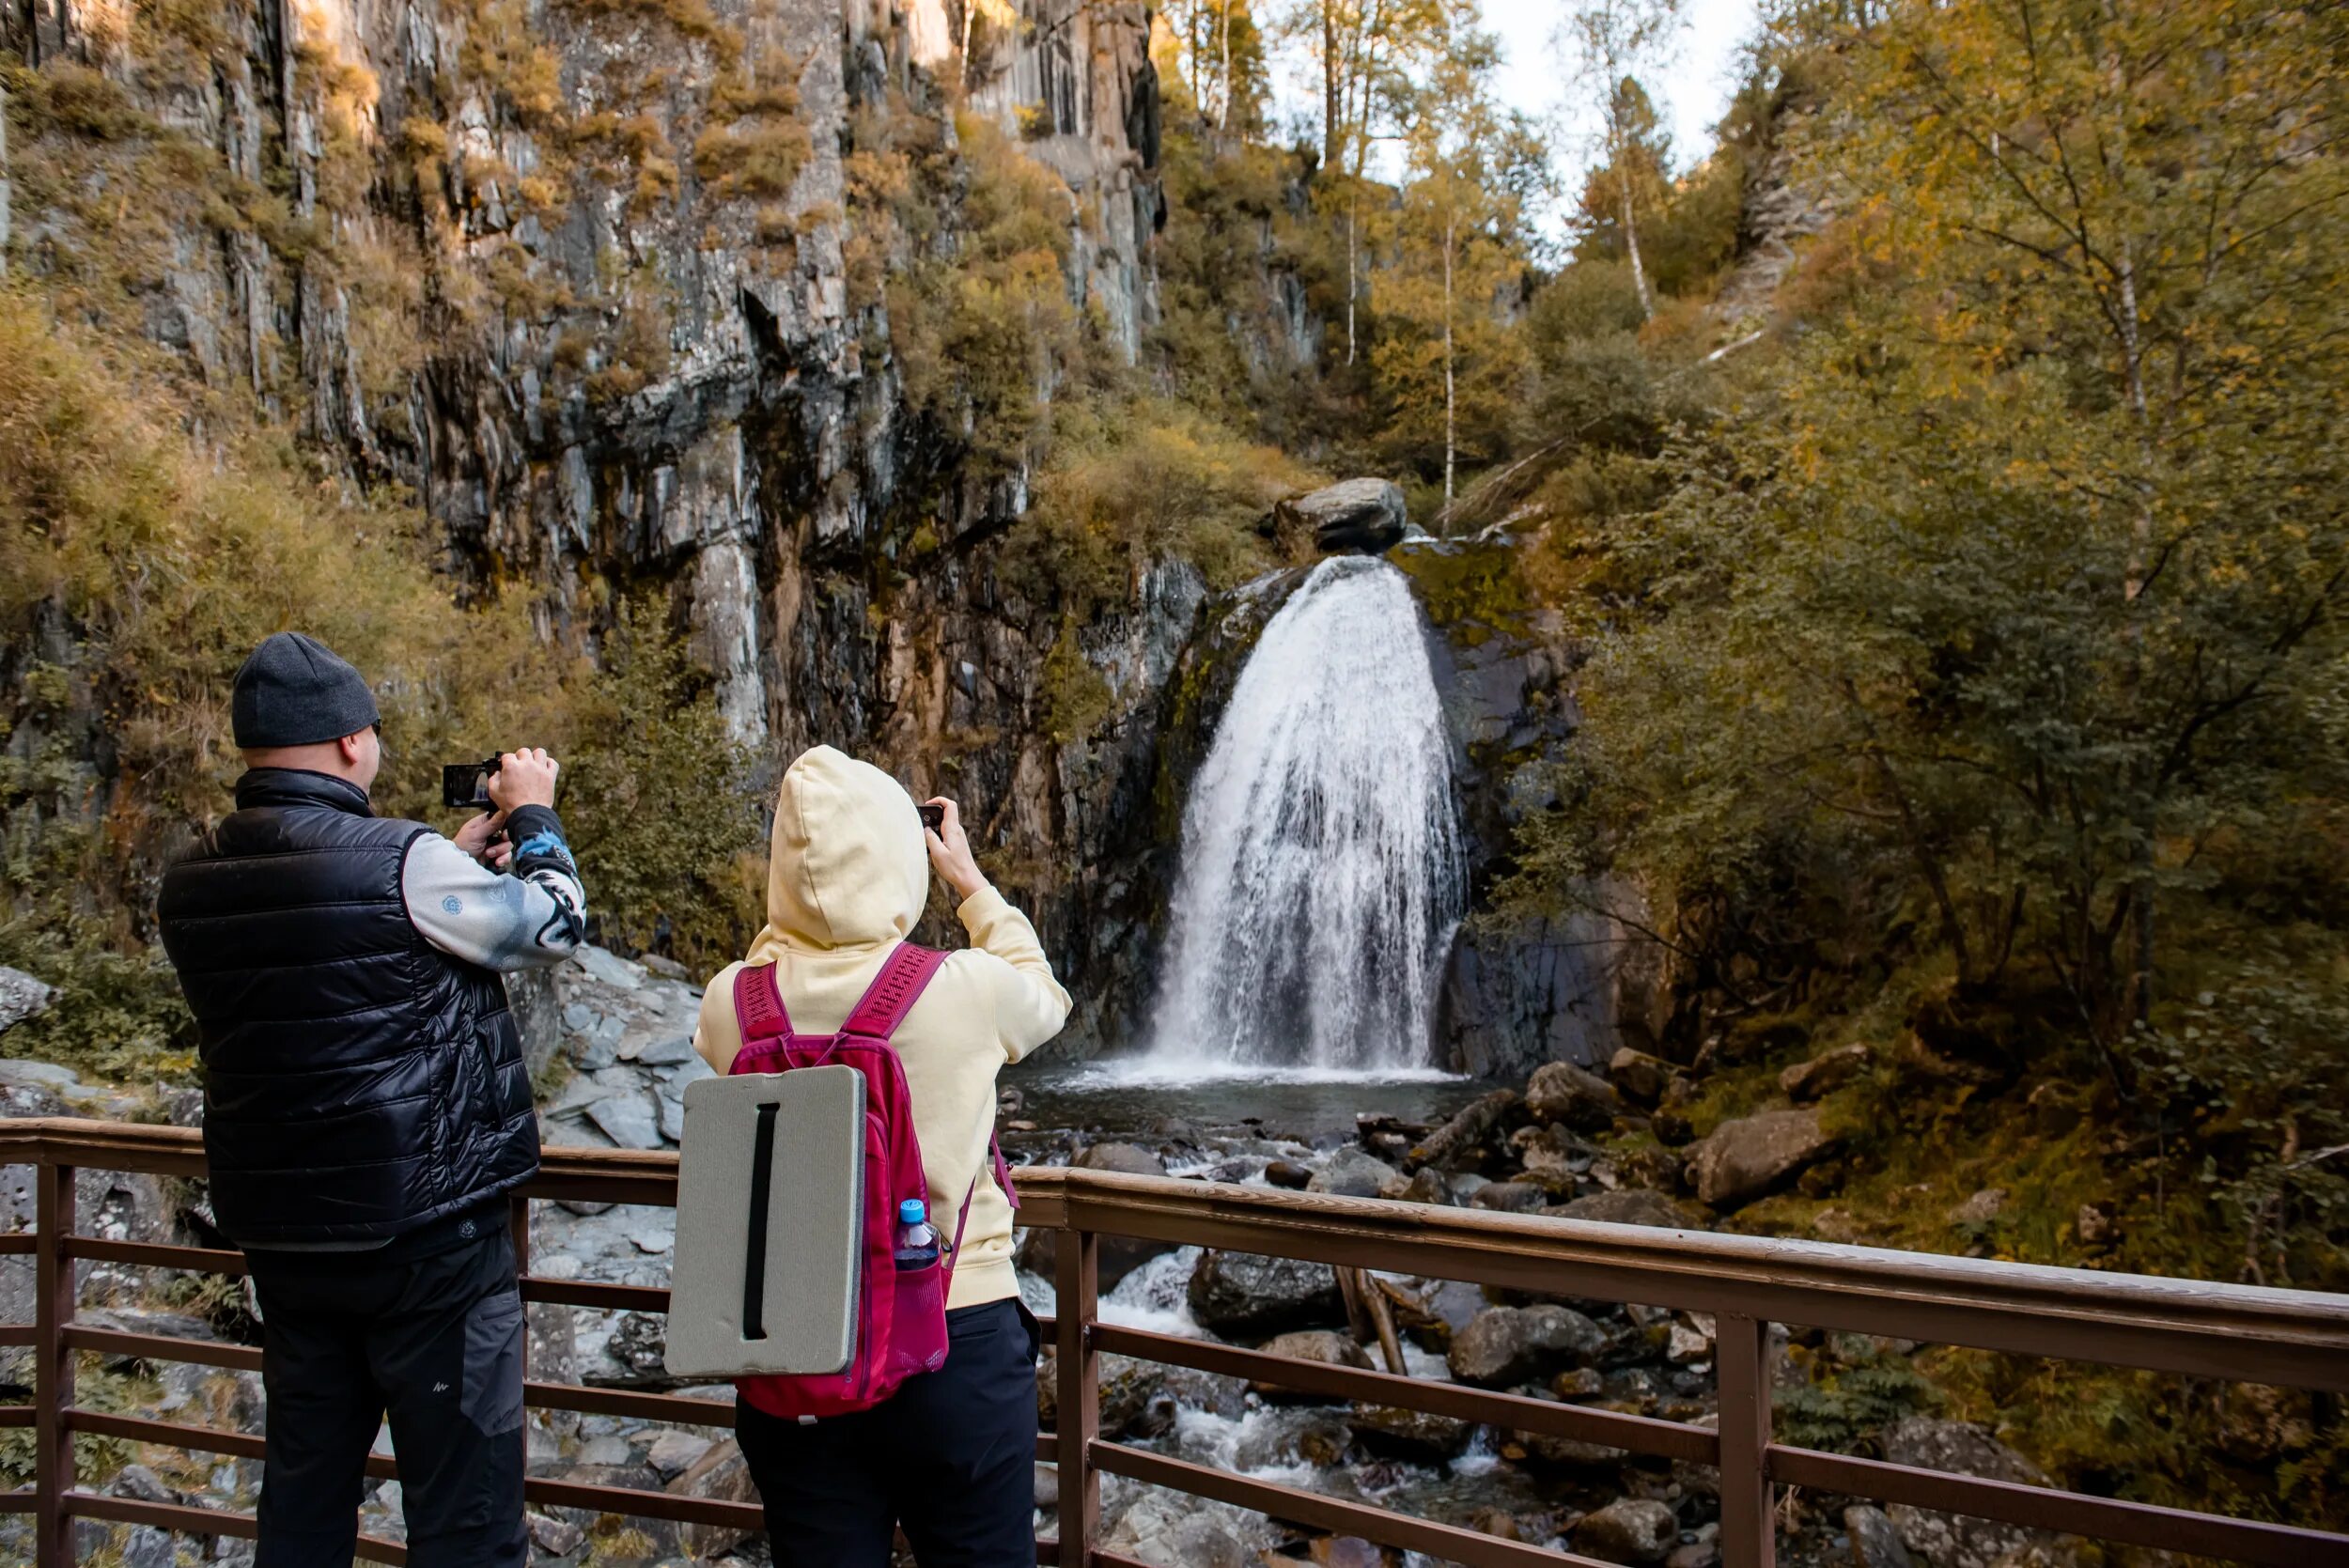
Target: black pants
(950, 1458)
(435, 1340)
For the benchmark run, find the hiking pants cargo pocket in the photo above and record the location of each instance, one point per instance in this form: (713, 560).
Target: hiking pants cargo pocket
(495, 1335)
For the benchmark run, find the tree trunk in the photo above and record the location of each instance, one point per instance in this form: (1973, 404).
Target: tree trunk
(1332, 116)
(1353, 205)
(3, 200)
(1223, 109)
(1631, 243)
(1450, 410)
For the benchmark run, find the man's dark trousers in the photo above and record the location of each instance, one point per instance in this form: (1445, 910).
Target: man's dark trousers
(435, 1340)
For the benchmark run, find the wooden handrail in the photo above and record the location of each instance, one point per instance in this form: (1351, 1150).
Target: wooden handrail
(2299, 1338)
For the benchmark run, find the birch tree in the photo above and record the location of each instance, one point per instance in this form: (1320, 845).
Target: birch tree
(1606, 46)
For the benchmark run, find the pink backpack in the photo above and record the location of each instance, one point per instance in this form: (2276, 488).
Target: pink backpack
(901, 1317)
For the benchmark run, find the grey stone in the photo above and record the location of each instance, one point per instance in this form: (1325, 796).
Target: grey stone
(610, 969)
(1127, 1158)
(1875, 1542)
(1414, 1435)
(672, 1119)
(22, 997)
(674, 1451)
(1948, 1541)
(665, 1053)
(1823, 1075)
(1352, 1173)
(1629, 1530)
(1357, 516)
(1561, 1092)
(1638, 1075)
(1241, 1296)
(1504, 1345)
(1745, 1158)
(1325, 1347)
(628, 1120)
(1632, 1205)
(555, 1537)
(147, 1548)
(43, 1075)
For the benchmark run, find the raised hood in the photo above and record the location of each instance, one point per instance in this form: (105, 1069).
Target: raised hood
(847, 866)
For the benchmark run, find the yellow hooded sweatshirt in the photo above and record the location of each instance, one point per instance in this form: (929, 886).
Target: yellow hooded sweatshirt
(846, 877)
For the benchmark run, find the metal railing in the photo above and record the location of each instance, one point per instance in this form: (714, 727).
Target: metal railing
(2233, 1332)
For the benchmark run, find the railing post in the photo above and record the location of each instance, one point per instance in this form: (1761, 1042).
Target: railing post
(52, 1369)
(1076, 1284)
(1748, 1523)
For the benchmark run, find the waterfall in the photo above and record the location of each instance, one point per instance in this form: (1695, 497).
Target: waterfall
(1322, 873)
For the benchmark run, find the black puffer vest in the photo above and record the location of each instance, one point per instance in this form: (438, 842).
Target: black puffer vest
(358, 1081)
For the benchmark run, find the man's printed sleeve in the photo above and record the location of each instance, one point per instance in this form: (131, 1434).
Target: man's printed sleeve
(530, 916)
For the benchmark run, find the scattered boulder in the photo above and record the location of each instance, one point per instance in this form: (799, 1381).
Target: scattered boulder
(1470, 1129)
(1352, 1173)
(555, 1537)
(1639, 1076)
(1821, 1076)
(1745, 1158)
(631, 1119)
(1510, 1197)
(1960, 1447)
(1431, 1311)
(1325, 1347)
(1980, 1209)
(1874, 1542)
(720, 1475)
(1242, 1295)
(1129, 1159)
(1552, 1156)
(1629, 1530)
(1426, 1186)
(1561, 1092)
(1287, 1173)
(1353, 517)
(1504, 1345)
(1414, 1436)
(22, 997)
(674, 1453)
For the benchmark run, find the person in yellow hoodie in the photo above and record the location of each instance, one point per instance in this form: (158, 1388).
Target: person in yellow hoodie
(950, 1457)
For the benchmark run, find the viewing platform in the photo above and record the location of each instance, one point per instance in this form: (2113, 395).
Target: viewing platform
(2220, 1332)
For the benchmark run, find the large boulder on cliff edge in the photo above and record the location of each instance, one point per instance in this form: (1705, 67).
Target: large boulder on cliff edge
(1745, 1158)
(1354, 517)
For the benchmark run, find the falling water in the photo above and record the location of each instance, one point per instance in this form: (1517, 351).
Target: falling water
(1322, 871)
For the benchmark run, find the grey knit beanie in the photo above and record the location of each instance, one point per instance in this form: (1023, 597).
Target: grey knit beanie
(294, 691)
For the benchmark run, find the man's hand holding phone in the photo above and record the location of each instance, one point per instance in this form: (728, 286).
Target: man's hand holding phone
(522, 778)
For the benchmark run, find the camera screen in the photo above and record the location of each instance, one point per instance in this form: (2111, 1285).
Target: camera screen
(461, 785)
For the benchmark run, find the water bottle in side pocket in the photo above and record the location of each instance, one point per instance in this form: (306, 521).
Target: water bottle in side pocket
(917, 1238)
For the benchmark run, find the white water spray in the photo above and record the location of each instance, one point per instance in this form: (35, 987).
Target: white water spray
(1322, 868)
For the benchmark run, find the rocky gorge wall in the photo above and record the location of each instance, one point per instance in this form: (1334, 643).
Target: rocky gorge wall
(603, 285)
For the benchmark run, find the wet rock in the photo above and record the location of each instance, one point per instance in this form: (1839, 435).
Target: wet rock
(1287, 1173)
(1470, 1129)
(1354, 517)
(22, 997)
(1241, 1296)
(634, 1355)
(720, 1475)
(1639, 1076)
(1821, 1076)
(1431, 1311)
(1633, 1206)
(554, 1537)
(1292, 1436)
(1352, 1173)
(1322, 1346)
(1875, 1543)
(1561, 1092)
(1511, 1197)
(1745, 1158)
(632, 1120)
(1129, 1159)
(1695, 1554)
(1552, 1156)
(1414, 1436)
(1426, 1186)
(1629, 1530)
(1579, 1383)
(1568, 1454)
(1504, 1345)
(1948, 1541)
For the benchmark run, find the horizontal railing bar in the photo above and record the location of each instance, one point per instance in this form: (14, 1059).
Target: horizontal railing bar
(19, 1502)
(604, 1176)
(676, 1409)
(157, 1254)
(1606, 1428)
(14, 1334)
(2245, 1333)
(1380, 1525)
(640, 1504)
(15, 1415)
(196, 1439)
(594, 1293)
(2070, 1513)
(203, 1521)
(17, 1244)
(162, 1347)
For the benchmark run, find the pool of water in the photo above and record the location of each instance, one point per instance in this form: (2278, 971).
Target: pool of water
(1113, 1098)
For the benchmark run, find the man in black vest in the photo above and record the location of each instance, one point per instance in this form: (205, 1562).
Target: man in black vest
(367, 1107)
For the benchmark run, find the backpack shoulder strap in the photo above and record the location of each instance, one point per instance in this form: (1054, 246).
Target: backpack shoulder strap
(758, 1008)
(903, 977)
